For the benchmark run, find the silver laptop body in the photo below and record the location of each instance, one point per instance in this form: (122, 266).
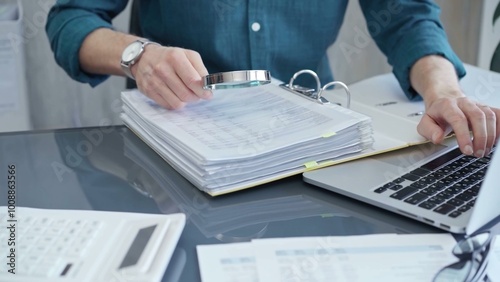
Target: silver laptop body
(359, 179)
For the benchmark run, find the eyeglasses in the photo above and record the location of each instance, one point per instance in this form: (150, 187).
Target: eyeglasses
(472, 253)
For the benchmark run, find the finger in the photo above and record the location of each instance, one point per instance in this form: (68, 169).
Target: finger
(162, 94)
(491, 127)
(477, 120)
(496, 125)
(170, 103)
(177, 86)
(497, 116)
(191, 74)
(197, 62)
(167, 72)
(429, 128)
(458, 122)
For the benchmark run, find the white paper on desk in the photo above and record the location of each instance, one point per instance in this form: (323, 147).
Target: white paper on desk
(382, 257)
(354, 258)
(227, 262)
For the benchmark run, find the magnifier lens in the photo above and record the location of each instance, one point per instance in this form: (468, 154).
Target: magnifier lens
(231, 85)
(236, 79)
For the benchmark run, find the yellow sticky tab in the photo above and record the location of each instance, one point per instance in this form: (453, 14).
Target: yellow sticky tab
(328, 134)
(311, 164)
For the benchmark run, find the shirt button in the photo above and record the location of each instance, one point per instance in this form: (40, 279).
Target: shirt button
(256, 26)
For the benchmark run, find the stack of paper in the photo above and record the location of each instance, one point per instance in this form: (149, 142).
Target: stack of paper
(216, 217)
(245, 137)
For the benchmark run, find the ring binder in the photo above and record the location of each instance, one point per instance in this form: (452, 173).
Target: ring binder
(244, 137)
(314, 94)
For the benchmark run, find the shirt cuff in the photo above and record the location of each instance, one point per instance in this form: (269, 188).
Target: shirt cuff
(419, 43)
(68, 33)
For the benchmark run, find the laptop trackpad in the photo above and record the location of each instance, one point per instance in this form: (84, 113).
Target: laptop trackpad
(343, 176)
(410, 156)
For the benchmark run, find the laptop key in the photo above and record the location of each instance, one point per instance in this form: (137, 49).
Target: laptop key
(418, 185)
(380, 190)
(398, 180)
(453, 190)
(427, 180)
(445, 195)
(468, 158)
(396, 187)
(464, 208)
(388, 185)
(444, 209)
(429, 191)
(455, 214)
(411, 177)
(420, 172)
(403, 193)
(416, 198)
(464, 197)
(483, 160)
(455, 202)
(427, 205)
(434, 164)
(437, 200)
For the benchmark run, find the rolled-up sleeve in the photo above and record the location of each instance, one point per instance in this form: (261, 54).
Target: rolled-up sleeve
(68, 24)
(405, 31)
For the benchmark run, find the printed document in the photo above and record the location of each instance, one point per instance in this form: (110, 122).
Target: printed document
(380, 257)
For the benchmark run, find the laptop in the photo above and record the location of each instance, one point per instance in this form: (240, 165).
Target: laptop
(434, 184)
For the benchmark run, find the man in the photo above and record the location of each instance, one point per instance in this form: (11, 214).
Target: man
(198, 37)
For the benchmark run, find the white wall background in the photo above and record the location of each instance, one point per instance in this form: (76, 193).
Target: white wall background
(490, 34)
(58, 102)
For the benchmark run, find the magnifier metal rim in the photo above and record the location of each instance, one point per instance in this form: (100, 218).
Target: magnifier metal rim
(236, 79)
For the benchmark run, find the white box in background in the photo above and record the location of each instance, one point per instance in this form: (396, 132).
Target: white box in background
(14, 108)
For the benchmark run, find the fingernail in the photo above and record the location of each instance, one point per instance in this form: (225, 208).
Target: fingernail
(480, 153)
(468, 150)
(435, 136)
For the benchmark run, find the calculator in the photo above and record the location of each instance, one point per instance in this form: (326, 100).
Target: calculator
(85, 245)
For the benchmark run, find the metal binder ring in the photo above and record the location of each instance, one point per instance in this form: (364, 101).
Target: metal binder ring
(236, 79)
(348, 104)
(318, 83)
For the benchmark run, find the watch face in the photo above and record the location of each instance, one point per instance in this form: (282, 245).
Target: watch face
(131, 51)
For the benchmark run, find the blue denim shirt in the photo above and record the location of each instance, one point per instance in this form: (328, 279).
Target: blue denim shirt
(281, 36)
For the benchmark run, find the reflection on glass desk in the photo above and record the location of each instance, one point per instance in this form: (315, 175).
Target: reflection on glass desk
(112, 169)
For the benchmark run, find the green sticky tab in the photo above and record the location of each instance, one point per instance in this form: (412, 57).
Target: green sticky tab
(328, 134)
(311, 164)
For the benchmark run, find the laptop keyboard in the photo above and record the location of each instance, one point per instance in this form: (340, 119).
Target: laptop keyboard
(447, 185)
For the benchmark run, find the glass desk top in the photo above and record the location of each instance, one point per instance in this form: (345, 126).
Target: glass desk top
(109, 168)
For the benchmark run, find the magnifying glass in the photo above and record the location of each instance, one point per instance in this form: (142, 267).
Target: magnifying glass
(236, 79)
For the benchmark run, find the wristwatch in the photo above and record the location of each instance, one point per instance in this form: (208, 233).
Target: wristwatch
(132, 53)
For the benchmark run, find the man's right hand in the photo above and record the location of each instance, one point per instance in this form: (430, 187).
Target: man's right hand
(168, 75)
(171, 76)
